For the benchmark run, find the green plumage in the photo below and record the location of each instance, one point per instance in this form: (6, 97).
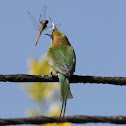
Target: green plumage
(62, 59)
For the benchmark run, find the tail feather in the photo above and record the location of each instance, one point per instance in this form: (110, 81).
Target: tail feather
(64, 110)
(65, 92)
(60, 113)
(71, 96)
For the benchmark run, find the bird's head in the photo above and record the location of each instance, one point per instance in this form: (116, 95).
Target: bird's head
(57, 36)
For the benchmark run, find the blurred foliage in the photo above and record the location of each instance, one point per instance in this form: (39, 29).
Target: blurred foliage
(46, 95)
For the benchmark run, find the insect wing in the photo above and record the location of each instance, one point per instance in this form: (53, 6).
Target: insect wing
(33, 21)
(50, 27)
(43, 14)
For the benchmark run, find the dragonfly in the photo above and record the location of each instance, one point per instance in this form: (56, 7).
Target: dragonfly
(42, 20)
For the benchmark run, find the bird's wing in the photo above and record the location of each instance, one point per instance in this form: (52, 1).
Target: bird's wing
(62, 59)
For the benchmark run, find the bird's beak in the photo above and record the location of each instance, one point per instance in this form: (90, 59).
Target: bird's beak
(51, 36)
(53, 25)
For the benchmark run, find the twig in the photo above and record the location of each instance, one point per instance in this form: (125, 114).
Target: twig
(74, 79)
(72, 119)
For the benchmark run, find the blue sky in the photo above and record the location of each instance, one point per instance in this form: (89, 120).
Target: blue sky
(97, 31)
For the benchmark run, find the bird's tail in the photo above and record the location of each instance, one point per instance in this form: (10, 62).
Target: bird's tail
(65, 92)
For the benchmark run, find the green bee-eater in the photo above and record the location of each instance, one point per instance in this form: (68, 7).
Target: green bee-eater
(62, 59)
